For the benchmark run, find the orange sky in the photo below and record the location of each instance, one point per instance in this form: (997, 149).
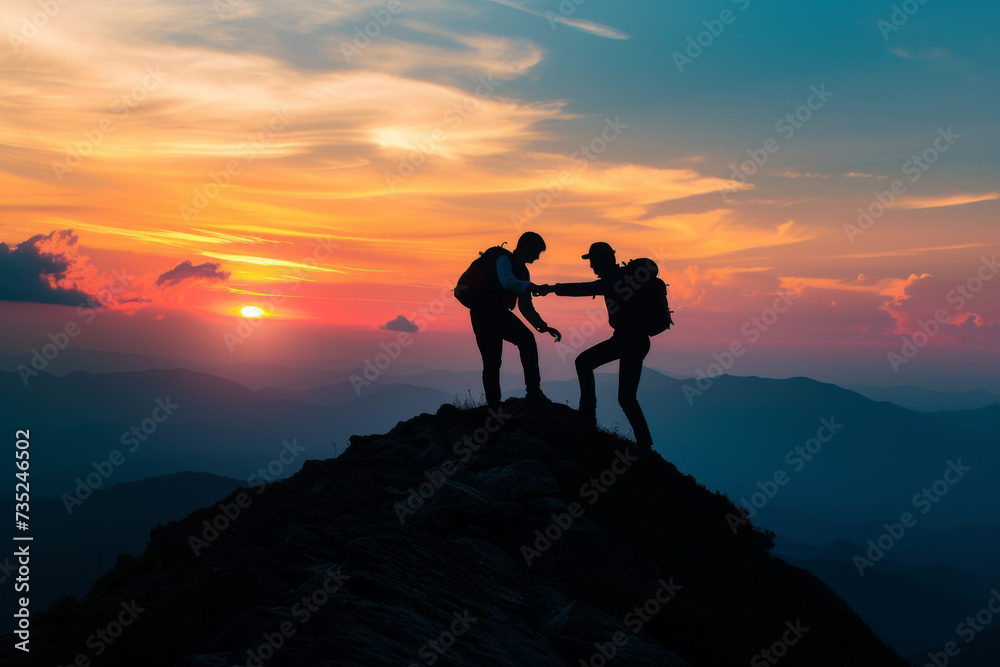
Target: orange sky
(359, 184)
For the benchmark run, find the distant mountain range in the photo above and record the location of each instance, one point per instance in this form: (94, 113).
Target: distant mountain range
(979, 650)
(218, 426)
(72, 550)
(736, 438)
(912, 605)
(927, 400)
(313, 374)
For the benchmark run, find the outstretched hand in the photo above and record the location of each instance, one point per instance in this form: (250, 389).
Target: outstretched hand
(541, 290)
(555, 333)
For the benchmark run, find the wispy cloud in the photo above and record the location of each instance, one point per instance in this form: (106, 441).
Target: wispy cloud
(270, 261)
(946, 200)
(591, 27)
(795, 173)
(861, 174)
(170, 237)
(930, 54)
(893, 288)
(721, 232)
(908, 252)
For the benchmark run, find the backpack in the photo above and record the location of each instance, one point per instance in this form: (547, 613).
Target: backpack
(474, 284)
(645, 296)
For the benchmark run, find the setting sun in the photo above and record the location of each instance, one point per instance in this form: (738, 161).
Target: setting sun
(251, 311)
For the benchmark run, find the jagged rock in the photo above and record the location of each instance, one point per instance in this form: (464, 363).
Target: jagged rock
(573, 626)
(523, 479)
(518, 445)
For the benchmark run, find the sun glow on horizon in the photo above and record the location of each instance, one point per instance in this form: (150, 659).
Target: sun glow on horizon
(251, 311)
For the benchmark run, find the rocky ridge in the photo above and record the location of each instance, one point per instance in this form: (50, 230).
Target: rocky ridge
(516, 536)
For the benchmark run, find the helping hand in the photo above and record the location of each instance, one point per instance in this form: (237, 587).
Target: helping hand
(555, 333)
(540, 290)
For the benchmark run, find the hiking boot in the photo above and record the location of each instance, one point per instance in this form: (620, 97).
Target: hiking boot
(537, 396)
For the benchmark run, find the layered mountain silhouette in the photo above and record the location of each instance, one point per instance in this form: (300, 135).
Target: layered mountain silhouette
(925, 400)
(940, 595)
(465, 537)
(218, 425)
(982, 651)
(75, 549)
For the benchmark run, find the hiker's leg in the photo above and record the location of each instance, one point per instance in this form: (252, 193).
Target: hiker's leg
(591, 358)
(515, 331)
(490, 342)
(634, 350)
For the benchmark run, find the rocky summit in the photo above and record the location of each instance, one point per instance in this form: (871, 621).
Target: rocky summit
(509, 536)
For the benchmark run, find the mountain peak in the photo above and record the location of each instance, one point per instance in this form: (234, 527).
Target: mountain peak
(508, 536)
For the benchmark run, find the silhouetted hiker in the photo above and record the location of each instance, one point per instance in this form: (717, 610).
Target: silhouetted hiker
(637, 308)
(491, 286)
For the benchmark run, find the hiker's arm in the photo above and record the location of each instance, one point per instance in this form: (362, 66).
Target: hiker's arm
(506, 275)
(595, 288)
(527, 309)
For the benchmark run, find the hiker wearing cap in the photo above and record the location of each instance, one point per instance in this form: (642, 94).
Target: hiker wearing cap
(629, 343)
(491, 287)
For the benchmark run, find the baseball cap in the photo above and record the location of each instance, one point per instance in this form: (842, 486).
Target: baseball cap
(600, 249)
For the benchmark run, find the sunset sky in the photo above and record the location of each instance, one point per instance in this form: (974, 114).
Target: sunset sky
(218, 152)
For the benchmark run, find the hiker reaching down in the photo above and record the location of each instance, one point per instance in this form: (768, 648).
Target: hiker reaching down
(491, 287)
